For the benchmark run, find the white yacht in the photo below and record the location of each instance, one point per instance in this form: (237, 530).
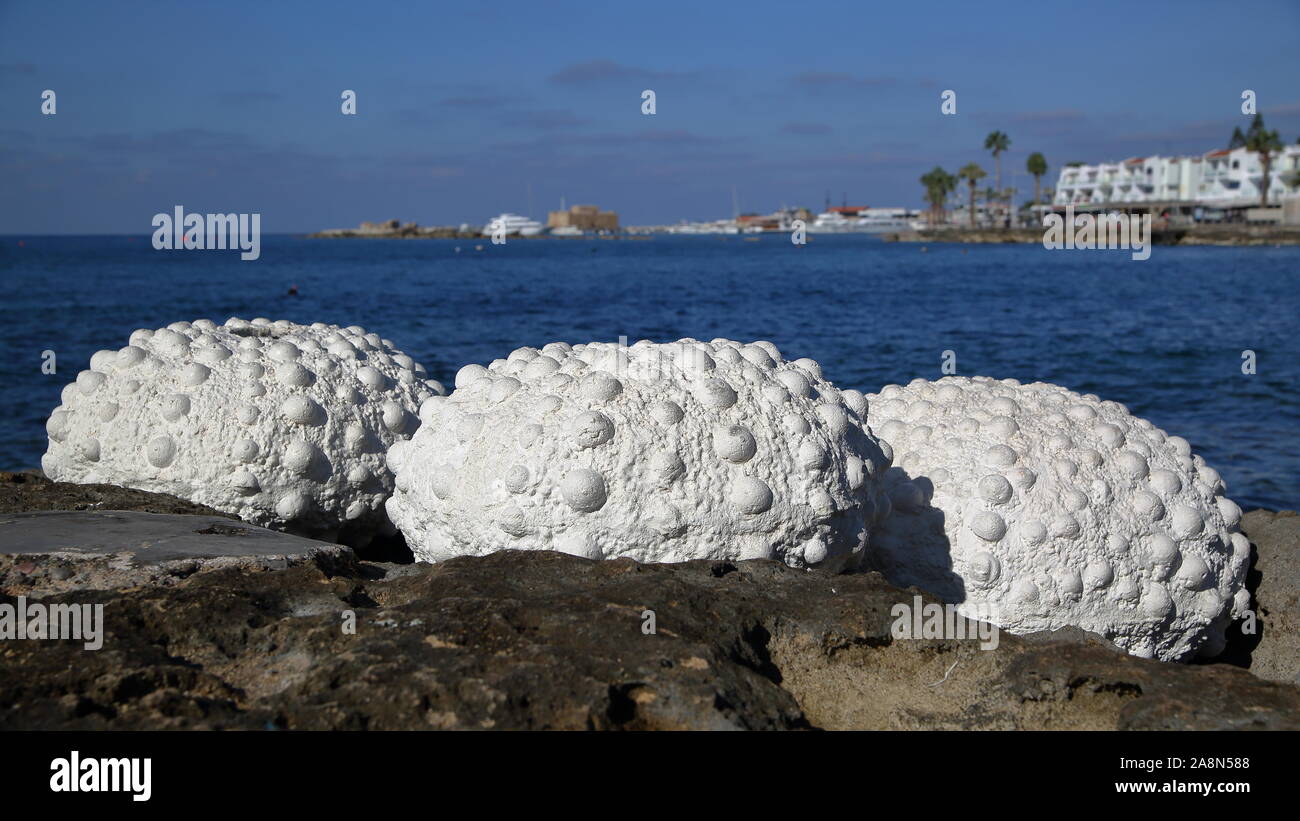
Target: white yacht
(514, 224)
(880, 220)
(863, 221)
(833, 222)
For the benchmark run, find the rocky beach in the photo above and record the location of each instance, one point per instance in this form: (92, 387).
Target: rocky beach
(211, 623)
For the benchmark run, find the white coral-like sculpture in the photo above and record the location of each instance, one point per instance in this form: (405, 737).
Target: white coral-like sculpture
(1040, 508)
(283, 425)
(658, 452)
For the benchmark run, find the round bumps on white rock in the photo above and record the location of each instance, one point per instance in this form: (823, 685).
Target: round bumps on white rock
(1037, 508)
(283, 425)
(657, 452)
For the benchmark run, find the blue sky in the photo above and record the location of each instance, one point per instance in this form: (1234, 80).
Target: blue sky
(463, 108)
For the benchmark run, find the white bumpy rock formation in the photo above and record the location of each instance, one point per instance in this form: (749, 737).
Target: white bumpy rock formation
(657, 452)
(283, 425)
(1038, 508)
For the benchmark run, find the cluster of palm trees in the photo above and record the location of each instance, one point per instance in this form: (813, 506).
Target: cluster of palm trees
(939, 184)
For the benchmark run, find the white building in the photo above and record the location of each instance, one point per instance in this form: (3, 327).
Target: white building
(1218, 179)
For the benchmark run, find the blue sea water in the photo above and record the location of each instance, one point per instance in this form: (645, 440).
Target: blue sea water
(1163, 336)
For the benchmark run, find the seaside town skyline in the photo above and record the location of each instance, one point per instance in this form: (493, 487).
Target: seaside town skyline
(848, 113)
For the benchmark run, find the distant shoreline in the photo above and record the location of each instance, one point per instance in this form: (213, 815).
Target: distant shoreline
(1238, 235)
(1222, 235)
(348, 233)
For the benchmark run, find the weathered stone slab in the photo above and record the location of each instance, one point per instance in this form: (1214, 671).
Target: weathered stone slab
(54, 551)
(150, 537)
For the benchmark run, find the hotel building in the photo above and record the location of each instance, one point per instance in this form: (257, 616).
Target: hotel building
(1216, 185)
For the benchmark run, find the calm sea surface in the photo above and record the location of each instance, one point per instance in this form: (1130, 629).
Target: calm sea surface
(1164, 336)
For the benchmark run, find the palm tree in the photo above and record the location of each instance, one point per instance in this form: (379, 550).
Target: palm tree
(972, 173)
(1036, 165)
(938, 183)
(949, 183)
(931, 196)
(997, 142)
(1264, 143)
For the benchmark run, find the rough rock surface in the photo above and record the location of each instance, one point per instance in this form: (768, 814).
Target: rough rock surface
(24, 492)
(1275, 581)
(656, 452)
(538, 639)
(283, 425)
(1038, 508)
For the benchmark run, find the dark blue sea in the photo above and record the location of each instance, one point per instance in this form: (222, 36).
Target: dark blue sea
(1163, 336)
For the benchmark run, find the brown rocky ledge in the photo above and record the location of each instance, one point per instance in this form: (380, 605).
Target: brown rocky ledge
(29, 491)
(532, 640)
